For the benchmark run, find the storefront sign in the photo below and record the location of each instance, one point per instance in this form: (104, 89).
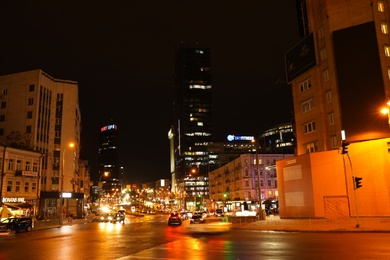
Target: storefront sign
(27, 173)
(13, 200)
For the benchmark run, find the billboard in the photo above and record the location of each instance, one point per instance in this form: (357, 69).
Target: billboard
(360, 82)
(300, 58)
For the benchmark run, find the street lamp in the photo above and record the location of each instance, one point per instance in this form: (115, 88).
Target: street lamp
(71, 145)
(256, 143)
(386, 111)
(100, 184)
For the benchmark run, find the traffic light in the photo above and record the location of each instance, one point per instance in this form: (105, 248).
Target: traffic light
(344, 148)
(358, 182)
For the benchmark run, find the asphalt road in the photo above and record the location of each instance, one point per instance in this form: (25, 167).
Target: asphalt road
(151, 238)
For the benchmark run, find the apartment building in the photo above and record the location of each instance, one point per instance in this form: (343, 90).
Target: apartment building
(42, 114)
(340, 80)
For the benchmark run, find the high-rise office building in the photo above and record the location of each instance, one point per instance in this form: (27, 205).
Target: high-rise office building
(339, 72)
(193, 127)
(278, 139)
(41, 113)
(108, 159)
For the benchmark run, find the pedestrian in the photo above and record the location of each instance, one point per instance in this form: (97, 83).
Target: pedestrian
(70, 219)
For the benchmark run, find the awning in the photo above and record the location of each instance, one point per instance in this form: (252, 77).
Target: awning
(5, 212)
(20, 205)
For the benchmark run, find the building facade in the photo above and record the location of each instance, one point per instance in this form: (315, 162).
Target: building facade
(193, 127)
(19, 180)
(278, 139)
(236, 183)
(110, 180)
(41, 113)
(339, 75)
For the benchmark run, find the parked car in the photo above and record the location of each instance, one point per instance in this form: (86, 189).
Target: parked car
(16, 224)
(174, 219)
(118, 218)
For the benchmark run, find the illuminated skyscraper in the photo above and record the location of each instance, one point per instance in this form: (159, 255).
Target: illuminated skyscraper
(193, 127)
(109, 169)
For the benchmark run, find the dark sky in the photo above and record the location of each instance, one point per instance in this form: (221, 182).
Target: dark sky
(122, 54)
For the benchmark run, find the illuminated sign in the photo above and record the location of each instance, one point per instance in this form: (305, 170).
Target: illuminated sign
(67, 195)
(231, 138)
(19, 200)
(108, 127)
(27, 173)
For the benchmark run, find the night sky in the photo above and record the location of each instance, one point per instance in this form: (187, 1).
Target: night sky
(122, 53)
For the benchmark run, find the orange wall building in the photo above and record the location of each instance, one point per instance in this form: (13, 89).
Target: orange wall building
(321, 185)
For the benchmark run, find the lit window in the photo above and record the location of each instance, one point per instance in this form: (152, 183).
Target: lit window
(381, 6)
(311, 147)
(387, 50)
(384, 28)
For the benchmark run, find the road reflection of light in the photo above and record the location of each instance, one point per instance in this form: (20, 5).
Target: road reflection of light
(185, 246)
(110, 226)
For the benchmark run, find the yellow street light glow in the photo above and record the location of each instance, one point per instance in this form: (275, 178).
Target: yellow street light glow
(385, 111)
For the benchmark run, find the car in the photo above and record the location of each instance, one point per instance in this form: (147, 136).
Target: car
(219, 213)
(106, 217)
(118, 218)
(196, 219)
(16, 224)
(174, 219)
(122, 211)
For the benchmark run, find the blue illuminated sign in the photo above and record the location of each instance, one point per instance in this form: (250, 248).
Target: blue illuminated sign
(231, 138)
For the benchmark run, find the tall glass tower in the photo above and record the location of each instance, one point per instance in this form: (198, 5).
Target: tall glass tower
(193, 127)
(108, 156)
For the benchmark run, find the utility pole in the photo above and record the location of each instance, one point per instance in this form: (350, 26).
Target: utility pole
(256, 142)
(2, 175)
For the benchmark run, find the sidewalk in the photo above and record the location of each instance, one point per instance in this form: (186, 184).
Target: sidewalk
(275, 223)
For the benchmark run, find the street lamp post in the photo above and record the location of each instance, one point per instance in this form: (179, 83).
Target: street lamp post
(63, 173)
(386, 111)
(100, 185)
(2, 175)
(258, 178)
